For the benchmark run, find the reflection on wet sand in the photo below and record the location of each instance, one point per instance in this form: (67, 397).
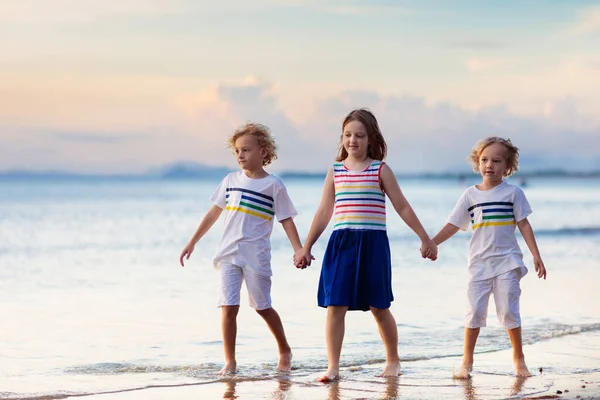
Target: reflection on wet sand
(517, 385)
(283, 385)
(392, 389)
(468, 389)
(230, 389)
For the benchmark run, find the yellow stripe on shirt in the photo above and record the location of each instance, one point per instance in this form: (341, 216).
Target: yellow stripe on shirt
(229, 208)
(376, 186)
(501, 223)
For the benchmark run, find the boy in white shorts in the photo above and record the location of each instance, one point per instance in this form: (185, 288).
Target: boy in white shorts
(251, 198)
(496, 265)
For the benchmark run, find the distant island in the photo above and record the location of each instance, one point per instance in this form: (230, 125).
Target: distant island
(194, 171)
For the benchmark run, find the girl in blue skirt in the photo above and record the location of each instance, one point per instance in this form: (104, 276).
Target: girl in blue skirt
(356, 273)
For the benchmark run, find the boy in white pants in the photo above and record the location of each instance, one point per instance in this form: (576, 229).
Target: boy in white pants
(496, 266)
(252, 198)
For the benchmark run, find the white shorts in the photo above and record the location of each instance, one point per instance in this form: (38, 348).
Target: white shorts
(506, 290)
(230, 283)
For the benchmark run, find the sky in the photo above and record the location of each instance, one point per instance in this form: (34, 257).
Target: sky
(125, 86)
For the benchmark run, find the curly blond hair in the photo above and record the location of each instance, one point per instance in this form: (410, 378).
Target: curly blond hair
(263, 136)
(512, 154)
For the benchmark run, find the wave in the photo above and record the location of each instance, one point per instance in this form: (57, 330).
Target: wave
(128, 368)
(173, 376)
(551, 331)
(65, 395)
(533, 334)
(569, 231)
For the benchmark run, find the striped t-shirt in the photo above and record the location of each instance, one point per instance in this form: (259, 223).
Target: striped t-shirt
(250, 207)
(359, 199)
(493, 215)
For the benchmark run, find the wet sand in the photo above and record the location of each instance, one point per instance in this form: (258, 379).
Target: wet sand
(563, 368)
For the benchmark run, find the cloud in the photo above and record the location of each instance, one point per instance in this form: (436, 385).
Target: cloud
(89, 137)
(220, 110)
(474, 44)
(339, 7)
(477, 64)
(53, 11)
(78, 11)
(588, 21)
(422, 136)
(438, 137)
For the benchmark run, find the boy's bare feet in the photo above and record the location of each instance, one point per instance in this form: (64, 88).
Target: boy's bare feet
(464, 371)
(285, 362)
(330, 376)
(391, 369)
(521, 369)
(229, 368)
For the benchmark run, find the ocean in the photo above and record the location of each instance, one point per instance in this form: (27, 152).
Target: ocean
(93, 300)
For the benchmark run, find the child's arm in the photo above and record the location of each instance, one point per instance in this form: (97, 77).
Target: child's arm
(207, 222)
(292, 233)
(320, 220)
(527, 232)
(445, 233)
(406, 212)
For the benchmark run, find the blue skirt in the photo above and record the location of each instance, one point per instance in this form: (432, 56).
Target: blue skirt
(356, 270)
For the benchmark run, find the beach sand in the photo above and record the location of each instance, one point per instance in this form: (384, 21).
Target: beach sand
(580, 386)
(569, 370)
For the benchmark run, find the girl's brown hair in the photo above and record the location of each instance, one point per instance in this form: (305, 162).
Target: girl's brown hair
(263, 137)
(377, 149)
(512, 154)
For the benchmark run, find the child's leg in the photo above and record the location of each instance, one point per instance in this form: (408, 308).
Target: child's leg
(507, 293)
(478, 295)
(335, 327)
(518, 356)
(274, 323)
(259, 293)
(464, 371)
(389, 334)
(230, 283)
(229, 331)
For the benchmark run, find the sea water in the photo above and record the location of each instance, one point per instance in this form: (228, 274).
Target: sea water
(93, 299)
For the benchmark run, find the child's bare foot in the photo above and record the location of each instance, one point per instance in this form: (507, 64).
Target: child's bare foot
(229, 368)
(330, 376)
(285, 362)
(521, 368)
(391, 369)
(464, 371)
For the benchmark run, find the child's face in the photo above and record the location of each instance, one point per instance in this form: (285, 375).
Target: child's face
(492, 163)
(248, 153)
(355, 140)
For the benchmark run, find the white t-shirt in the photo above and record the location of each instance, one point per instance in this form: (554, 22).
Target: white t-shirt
(493, 214)
(250, 206)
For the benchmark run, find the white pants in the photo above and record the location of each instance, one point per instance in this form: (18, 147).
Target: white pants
(230, 283)
(506, 290)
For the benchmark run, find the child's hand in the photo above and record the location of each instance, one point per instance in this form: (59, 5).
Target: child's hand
(186, 252)
(539, 267)
(302, 258)
(429, 249)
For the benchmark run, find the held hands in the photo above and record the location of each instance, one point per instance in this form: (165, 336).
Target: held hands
(302, 258)
(429, 249)
(539, 267)
(186, 252)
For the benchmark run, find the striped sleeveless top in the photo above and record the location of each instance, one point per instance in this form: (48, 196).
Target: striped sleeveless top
(359, 200)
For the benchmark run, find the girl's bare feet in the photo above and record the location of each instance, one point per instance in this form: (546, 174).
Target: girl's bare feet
(229, 368)
(285, 362)
(330, 376)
